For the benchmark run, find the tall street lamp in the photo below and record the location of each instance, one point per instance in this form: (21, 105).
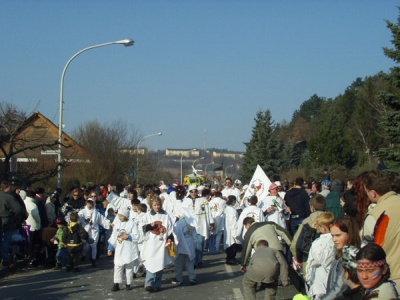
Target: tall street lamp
(126, 43)
(137, 148)
(226, 170)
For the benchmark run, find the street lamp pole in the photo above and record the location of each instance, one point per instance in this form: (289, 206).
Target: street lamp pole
(193, 165)
(126, 43)
(226, 170)
(205, 168)
(137, 148)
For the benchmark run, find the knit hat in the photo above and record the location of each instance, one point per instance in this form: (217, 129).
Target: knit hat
(326, 183)
(163, 187)
(337, 186)
(61, 221)
(349, 260)
(192, 187)
(124, 211)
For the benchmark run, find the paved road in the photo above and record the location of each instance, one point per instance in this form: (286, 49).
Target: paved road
(215, 281)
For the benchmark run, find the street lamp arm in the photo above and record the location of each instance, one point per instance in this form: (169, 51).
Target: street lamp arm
(137, 147)
(125, 42)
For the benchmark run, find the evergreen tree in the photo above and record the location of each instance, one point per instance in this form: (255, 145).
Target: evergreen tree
(391, 99)
(264, 148)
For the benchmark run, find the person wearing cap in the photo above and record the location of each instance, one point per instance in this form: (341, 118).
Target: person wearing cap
(333, 198)
(350, 277)
(325, 188)
(74, 237)
(62, 253)
(124, 239)
(273, 207)
(91, 220)
(200, 209)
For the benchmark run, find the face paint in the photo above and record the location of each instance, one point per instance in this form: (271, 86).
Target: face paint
(376, 275)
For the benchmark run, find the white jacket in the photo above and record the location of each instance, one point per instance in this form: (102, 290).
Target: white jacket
(320, 258)
(33, 218)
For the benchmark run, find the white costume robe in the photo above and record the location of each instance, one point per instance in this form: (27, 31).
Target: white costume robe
(126, 251)
(185, 238)
(232, 191)
(217, 208)
(199, 208)
(117, 202)
(276, 216)
(250, 211)
(154, 254)
(230, 226)
(91, 220)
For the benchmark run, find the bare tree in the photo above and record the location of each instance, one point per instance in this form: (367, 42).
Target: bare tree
(110, 150)
(21, 138)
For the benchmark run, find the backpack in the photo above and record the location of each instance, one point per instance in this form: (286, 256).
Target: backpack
(307, 235)
(77, 235)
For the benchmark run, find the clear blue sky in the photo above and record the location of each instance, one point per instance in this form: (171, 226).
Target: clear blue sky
(195, 65)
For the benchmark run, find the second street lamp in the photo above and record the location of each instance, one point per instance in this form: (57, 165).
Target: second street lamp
(137, 149)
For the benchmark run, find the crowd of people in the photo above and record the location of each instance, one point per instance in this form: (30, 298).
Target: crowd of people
(330, 239)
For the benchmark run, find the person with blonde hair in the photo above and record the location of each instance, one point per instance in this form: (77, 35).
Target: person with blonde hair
(320, 258)
(158, 235)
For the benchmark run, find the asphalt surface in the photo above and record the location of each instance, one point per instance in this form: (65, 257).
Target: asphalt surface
(215, 280)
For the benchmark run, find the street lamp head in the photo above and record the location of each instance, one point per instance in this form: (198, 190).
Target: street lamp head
(126, 42)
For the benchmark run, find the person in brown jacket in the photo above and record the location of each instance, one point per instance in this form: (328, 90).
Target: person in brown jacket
(266, 266)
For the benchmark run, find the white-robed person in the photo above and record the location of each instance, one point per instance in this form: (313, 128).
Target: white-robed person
(117, 202)
(168, 204)
(217, 208)
(124, 239)
(273, 207)
(252, 211)
(200, 209)
(154, 254)
(231, 242)
(185, 237)
(91, 220)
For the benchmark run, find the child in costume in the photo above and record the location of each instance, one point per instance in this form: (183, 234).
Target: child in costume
(62, 253)
(154, 254)
(74, 237)
(185, 236)
(124, 240)
(374, 272)
(91, 220)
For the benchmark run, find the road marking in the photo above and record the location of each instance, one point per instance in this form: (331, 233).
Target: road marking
(229, 270)
(238, 293)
